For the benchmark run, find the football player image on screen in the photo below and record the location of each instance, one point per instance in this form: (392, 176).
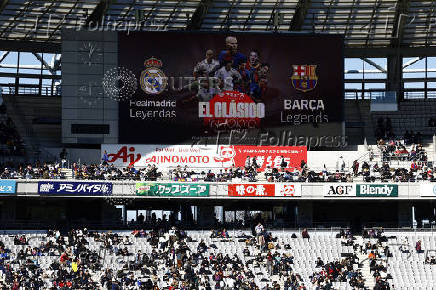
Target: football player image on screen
(228, 77)
(231, 53)
(208, 66)
(206, 90)
(263, 75)
(250, 75)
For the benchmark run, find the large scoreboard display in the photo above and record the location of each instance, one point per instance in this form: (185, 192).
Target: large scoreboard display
(193, 85)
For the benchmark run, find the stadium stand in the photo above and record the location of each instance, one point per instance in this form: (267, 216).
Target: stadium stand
(10, 141)
(80, 77)
(162, 258)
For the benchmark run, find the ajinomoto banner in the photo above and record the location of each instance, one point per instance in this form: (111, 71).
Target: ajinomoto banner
(172, 189)
(204, 157)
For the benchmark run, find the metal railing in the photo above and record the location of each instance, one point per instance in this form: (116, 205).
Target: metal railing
(380, 95)
(31, 90)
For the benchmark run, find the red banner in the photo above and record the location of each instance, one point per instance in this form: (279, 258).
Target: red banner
(251, 190)
(229, 110)
(203, 157)
(271, 156)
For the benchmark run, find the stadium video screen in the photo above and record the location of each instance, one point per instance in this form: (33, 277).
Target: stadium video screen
(199, 84)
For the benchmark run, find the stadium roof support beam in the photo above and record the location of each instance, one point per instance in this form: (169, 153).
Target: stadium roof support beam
(172, 13)
(401, 11)
(63, 20)
(147, 17)
(381, 69)
(14, 21)
(227, 21)
(3, 56)
(350, 16)
(369, 52)
(3, 4)
(46, 10)
(412, 61)
(44, 63)
(299, 15)
(250, 15)
(196, 20)
(372, 20)
(394, 61)
(395, 75)
(327, 16)
(429, 23)
(98, 12)
(274, 15)
(30, 46)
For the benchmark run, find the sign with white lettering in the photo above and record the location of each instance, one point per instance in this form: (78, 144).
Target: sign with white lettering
(172, 189)
(7, 186)
(377, 190)
(74, 188)
(255, 190)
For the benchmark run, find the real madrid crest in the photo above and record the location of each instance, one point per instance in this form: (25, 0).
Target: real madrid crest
(153, 81)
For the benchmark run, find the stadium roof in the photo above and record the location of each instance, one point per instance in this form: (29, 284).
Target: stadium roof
(364, 23)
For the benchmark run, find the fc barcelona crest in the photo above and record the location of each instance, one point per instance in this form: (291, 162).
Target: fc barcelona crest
(153, 80)
(304, 77)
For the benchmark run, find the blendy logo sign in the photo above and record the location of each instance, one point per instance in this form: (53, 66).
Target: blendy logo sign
(377, 190)
(339, 189)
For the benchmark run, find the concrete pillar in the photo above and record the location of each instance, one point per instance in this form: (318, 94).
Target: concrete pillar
(110, 213)
(186, 213)
(124, 214)
(148, 215)
(219, 213)
(404, 214)
(394, 75)
(8, 209)
(206, 216)
(304, 214)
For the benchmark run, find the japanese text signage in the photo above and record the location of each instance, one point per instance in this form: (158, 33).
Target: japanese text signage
(74, 188)
(172, 189)
(257, 190)
(377, 190)
(7, 186)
